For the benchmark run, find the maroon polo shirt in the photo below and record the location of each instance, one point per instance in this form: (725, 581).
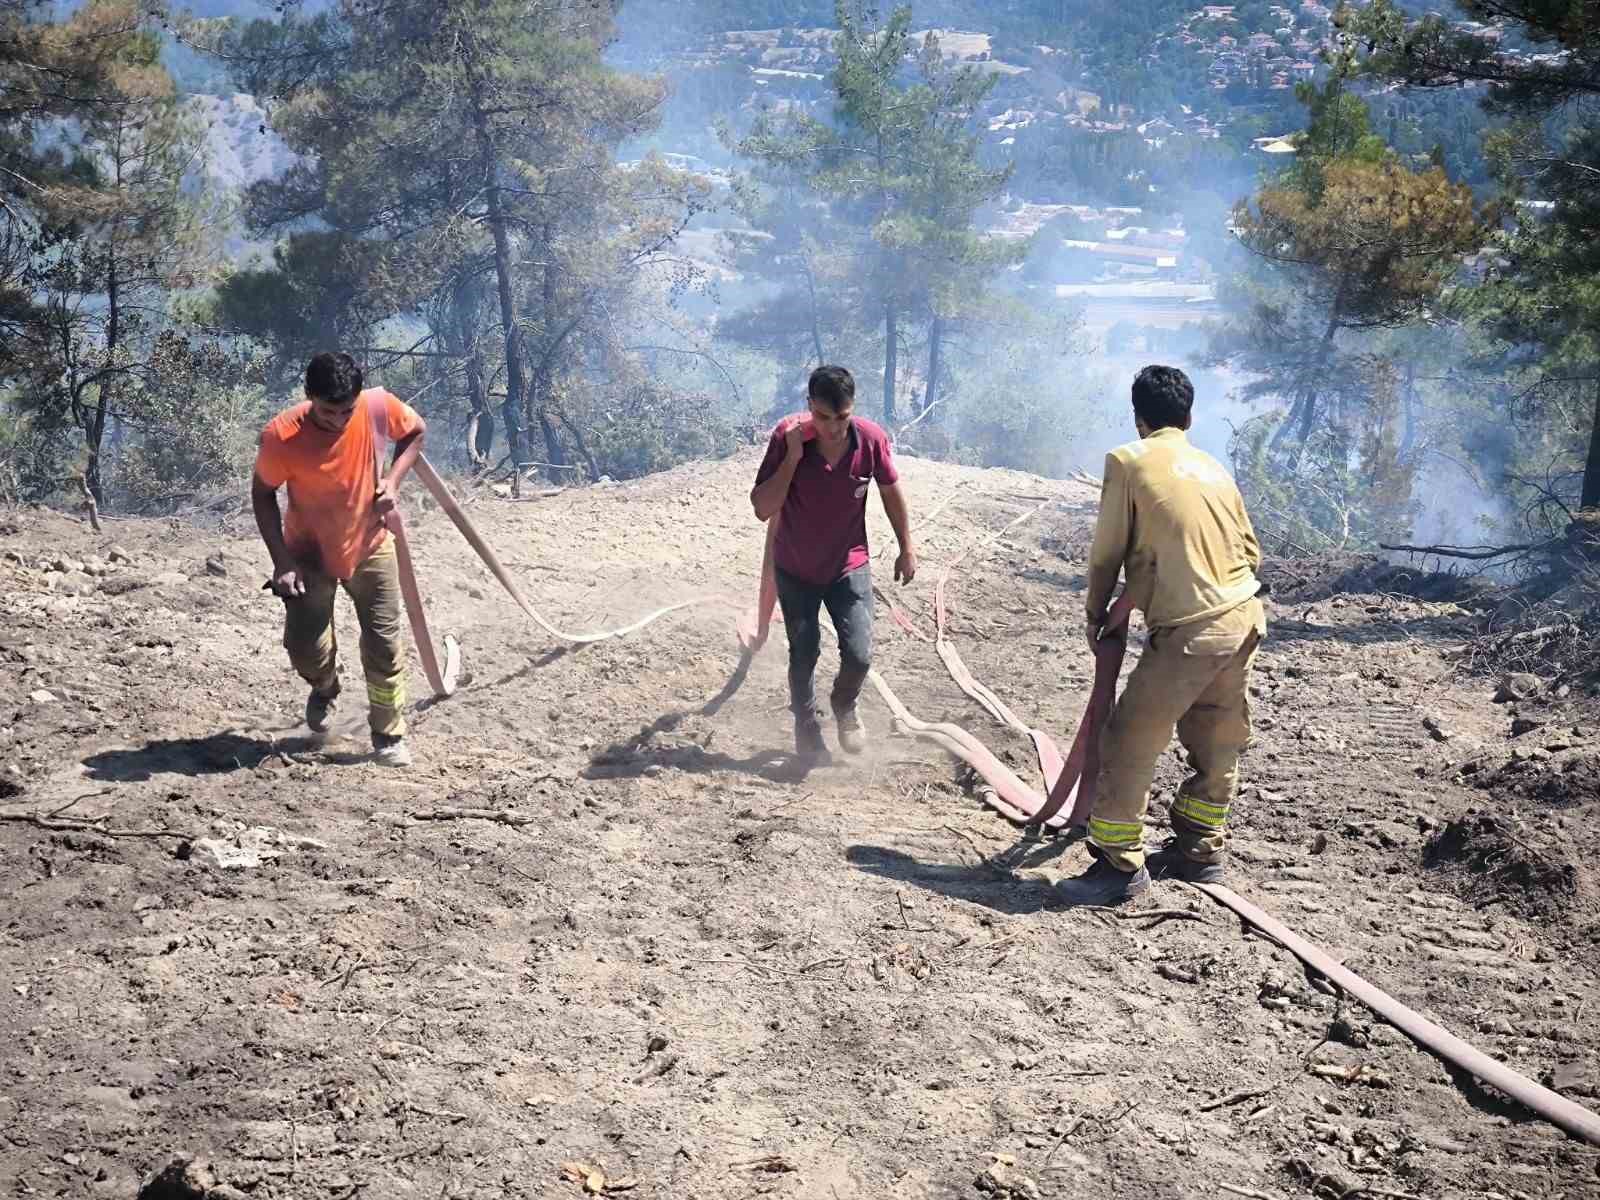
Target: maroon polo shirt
(822, 536)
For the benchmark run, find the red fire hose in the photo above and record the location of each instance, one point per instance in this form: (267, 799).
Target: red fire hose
(1075, 780)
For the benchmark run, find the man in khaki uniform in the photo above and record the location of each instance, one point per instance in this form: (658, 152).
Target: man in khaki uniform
(1172, 518)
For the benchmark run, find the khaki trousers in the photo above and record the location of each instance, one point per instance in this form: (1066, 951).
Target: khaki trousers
(309, 638)
(1195, 677)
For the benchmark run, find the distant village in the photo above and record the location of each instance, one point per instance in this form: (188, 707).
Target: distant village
(1117, 254)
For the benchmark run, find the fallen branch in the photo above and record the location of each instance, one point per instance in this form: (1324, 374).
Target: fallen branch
(45, 822)
(1473, 553)
(1543, 633)
(1162, 914)
(501, 816)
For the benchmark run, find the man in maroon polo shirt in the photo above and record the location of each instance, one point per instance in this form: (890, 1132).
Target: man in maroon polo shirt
(818, 469)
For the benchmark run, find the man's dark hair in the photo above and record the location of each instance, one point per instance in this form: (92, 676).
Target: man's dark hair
(833, 386)
(333, 377)
(1163, 397)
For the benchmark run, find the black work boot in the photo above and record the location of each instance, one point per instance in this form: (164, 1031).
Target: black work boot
(1101, 886)
(808, 743)
(319, 711)
(1170, 862)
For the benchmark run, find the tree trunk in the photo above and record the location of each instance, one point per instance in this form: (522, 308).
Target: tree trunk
(480, 430)
(1306, 406)
(930, 394)
(891, 351)
(542, 373)
(583, 446)
(95, 434)
(816, 328)
(516, 378)
(1408, 402)
(552, 440)
(1590, 497)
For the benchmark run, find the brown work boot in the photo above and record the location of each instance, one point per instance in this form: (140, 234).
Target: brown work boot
(852, 733)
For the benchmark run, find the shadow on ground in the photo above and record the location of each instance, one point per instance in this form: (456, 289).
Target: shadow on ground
(991, 885)
(219, 754)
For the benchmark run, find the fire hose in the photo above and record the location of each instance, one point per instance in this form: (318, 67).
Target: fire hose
(1072, 778)
(444, 682)
(1075, 780)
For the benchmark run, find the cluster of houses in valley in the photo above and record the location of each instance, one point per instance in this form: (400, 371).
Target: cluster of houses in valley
(1274, 60)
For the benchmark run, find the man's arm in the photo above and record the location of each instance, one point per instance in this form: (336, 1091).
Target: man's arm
(286, 580)
(407, 450)
(1112, 530)
(894, 507)
(768, 495)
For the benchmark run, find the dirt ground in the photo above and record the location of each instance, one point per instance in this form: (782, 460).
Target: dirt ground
(679, 967)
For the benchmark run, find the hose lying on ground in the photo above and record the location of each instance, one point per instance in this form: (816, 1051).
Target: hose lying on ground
(444, 682)
(1016, 800)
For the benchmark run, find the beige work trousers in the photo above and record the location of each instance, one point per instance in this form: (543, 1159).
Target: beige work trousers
(308, 636)
(1195, 677)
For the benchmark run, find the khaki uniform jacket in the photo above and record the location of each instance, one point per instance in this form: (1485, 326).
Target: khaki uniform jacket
(1172, 517)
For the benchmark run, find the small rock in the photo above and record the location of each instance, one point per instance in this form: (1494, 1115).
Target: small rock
(121, 585)
(655, 1044)
(180, 1179)
(1344, 1030)
(43, 697)
(170, 579)
(1520, 686)
(118, 555)
(1437, 728)
(216, 565)
(1522, 725)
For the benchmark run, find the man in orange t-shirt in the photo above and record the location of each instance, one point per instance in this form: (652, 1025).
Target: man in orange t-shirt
(326, 451)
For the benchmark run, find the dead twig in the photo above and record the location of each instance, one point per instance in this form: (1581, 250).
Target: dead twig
(1239, 1097)
(771, 1163)
(1060, 1141)
(501, 816)
(1248, 1193)
(438, 1114)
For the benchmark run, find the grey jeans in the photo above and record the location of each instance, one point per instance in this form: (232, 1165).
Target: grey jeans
(849, 603)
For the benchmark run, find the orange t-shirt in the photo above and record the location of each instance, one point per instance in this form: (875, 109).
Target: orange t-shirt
(332, 478)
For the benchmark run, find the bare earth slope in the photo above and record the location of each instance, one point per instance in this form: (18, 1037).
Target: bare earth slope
(698, 973)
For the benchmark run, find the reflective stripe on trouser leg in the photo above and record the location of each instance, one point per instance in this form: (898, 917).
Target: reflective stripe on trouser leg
(308, 634)
(1215, 731)
(375, 589)
(1168, 679)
